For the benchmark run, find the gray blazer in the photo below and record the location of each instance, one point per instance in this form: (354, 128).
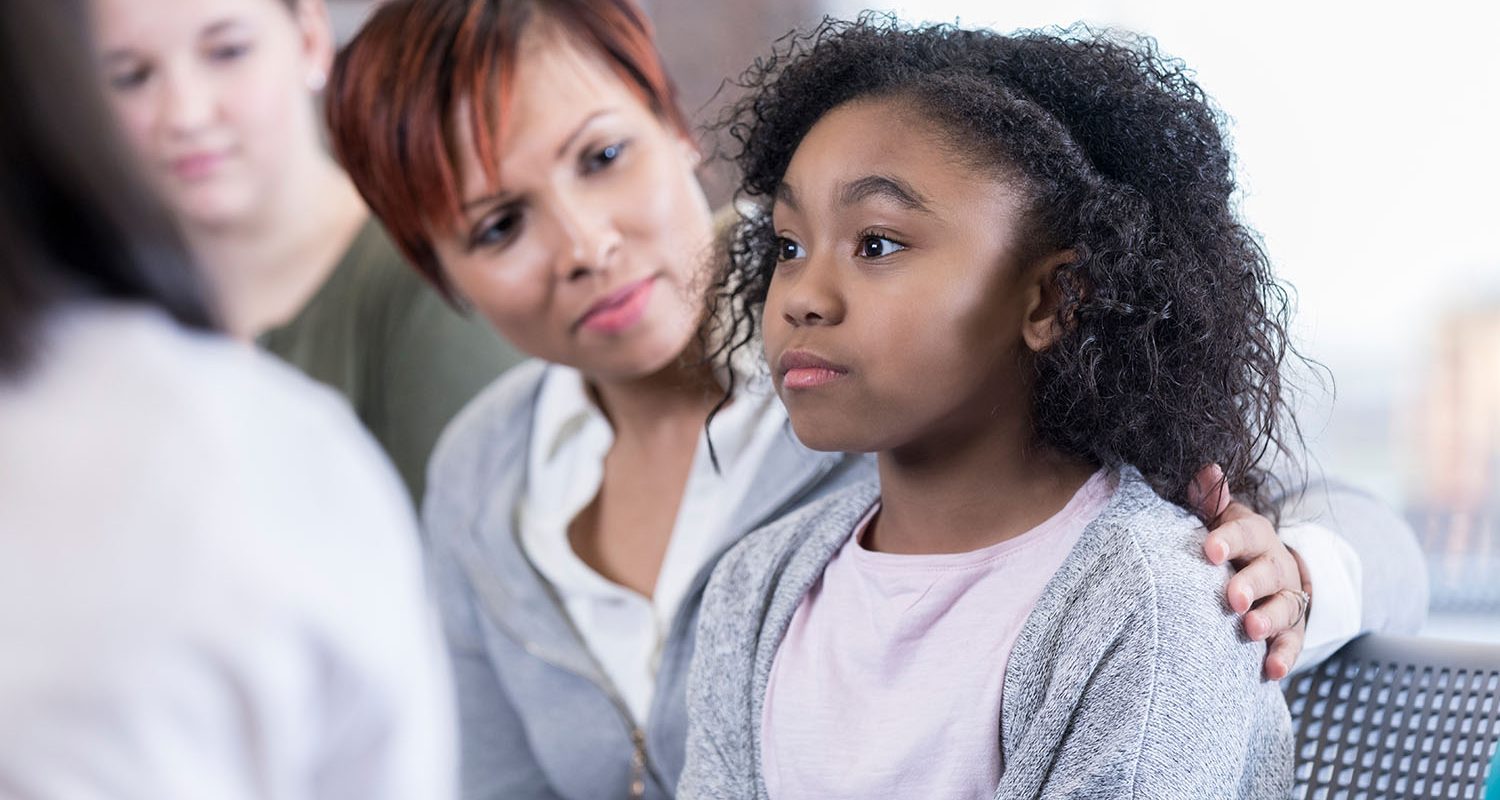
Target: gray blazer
(1130, 679)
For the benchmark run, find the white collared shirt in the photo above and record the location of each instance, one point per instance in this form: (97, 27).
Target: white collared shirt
(565, 470)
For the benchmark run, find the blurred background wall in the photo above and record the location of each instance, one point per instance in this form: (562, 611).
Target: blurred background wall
(1367, 159)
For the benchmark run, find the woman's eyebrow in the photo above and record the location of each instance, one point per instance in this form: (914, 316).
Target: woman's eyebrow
(885, 186)
(580, 128)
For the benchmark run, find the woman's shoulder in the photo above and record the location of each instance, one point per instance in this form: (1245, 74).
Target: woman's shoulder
(491, 430)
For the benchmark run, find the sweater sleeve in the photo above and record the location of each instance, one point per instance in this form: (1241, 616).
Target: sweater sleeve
(1176, 708)
(1393, 575)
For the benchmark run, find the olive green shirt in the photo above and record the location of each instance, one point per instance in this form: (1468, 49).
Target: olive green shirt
(379, 334)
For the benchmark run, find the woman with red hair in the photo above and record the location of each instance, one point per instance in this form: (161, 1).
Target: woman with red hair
(529, 158)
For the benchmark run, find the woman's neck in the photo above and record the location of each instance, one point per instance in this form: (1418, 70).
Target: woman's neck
(655, 405)
(970, 491)
(265, 269)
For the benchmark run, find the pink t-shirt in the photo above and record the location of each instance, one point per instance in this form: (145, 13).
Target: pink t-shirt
(889, 679)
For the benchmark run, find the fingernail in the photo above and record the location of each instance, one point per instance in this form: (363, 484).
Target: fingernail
(1246, 599)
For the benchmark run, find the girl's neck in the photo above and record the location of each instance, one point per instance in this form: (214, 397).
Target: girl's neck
(971, 491)
(266, 268)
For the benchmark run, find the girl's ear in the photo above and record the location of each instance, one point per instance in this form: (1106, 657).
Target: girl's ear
(1042, 326)
(316, 29)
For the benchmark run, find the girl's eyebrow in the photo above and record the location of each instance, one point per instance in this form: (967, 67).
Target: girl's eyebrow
(884, 186)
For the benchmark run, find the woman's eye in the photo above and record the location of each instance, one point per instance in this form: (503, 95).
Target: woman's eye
(495, 231)
(788, 250)
(125, 80)
(603, 157)
(877, 246)
(228, 52)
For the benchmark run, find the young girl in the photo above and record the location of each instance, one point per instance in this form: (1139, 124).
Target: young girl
(217, 100)
(1009, 266)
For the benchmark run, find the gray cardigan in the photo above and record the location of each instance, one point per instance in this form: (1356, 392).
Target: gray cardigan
(539, 718)
(1130, 678)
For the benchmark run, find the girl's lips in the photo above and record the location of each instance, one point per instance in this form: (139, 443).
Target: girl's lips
(801, 369)
(619, 309)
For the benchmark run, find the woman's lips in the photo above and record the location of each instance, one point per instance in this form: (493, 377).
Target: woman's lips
(196, 166)
(619, 309)
(801, 369)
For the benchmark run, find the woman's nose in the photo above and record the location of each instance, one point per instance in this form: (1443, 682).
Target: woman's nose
(188, 101)
(591, 239)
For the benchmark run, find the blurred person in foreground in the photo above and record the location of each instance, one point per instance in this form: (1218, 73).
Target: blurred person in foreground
(216, 100)
(209, 579)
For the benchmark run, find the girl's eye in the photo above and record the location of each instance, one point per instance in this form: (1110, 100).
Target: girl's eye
(872, 246)
(603, 157)
(495, 231)
(788, 250)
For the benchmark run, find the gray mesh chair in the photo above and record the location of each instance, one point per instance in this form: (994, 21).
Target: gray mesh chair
(1395, 717)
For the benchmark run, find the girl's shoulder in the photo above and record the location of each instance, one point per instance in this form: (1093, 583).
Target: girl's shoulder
(1157, 544)
(1140, 567)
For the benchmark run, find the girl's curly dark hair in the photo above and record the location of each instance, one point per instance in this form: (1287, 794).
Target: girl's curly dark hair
(1175, 329)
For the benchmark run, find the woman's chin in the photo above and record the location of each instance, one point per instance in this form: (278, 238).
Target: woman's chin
(209, 207)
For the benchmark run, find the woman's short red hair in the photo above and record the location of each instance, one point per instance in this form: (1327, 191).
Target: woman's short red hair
(394, 91)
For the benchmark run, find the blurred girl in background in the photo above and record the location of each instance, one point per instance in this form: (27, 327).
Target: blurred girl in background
(217, 100)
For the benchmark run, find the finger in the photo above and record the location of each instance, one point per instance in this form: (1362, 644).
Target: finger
(1259, 579)
(1209, 492)
(1245, 534)
(1282, 653)
(1274, 616)
(1231, 539)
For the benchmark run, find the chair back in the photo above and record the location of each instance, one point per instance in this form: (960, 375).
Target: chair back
(1397, 717)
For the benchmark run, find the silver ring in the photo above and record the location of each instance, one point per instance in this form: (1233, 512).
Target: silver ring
(1304, 603)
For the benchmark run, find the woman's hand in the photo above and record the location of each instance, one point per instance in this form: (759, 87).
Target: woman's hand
(1269, 580)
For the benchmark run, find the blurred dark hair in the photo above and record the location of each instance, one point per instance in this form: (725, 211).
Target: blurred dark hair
(76, 220)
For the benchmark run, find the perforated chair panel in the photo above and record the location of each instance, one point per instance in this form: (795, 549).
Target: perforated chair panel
(1394, 717)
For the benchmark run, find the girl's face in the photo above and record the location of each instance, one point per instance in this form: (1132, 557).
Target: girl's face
(590, 250)
(214, 95)
(900, 314)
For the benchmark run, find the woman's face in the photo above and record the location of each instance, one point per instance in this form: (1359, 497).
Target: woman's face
(590, 252)
(900, 312)
(214, 96)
